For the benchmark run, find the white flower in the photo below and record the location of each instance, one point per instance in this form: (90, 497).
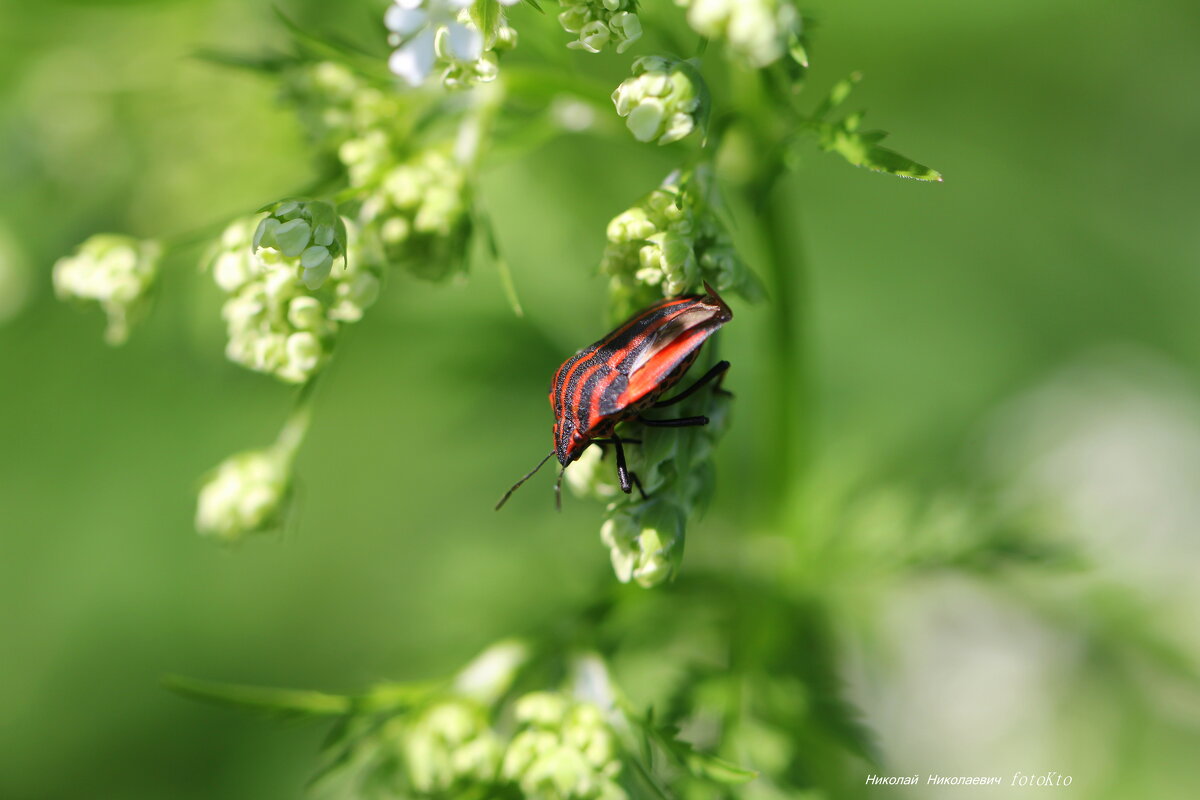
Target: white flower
(416, 31)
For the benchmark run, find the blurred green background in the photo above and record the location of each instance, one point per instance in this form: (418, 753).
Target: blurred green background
(1030, 324)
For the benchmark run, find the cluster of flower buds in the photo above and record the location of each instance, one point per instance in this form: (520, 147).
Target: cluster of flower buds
(672, 242)
(418, 218)
(247, 493)
(757, 32)
(598, 23)
(447, 33)
(450, 746)
(645, 538)
(336, 105)
(564, 749)
(664, 101)
(115, 272)
(282, 314)
(309, 231)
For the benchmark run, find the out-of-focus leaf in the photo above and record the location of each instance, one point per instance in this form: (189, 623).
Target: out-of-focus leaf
(486, 16)
(286, 702)
(798, 51)
(701, 765)
(267, 63)
(837, 95)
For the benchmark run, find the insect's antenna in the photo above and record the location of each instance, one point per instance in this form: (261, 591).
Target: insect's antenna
(558, 490)
(528, 475)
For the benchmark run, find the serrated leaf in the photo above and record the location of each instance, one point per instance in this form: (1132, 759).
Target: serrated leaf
(287, 702)
(861, 151)
(700, 764)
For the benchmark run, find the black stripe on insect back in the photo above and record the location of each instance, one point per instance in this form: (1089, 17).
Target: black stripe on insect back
(600, 353)
(602, 350)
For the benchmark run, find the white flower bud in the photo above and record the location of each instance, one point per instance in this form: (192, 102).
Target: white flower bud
(757, 32)
(565, 749)
(598, 23)
(115, 272)
(247, 493)
(283, 313)
(645, 542)
(664, 101)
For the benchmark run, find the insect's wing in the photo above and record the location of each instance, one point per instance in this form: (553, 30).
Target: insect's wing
(673, 342)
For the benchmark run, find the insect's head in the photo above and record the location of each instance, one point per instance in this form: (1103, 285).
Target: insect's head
(569, 441)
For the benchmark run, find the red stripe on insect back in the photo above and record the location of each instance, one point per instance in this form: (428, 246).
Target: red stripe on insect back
(566, 386)
(562, 378)
(624, 354)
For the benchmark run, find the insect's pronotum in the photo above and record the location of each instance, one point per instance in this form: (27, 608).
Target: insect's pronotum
(625, 373)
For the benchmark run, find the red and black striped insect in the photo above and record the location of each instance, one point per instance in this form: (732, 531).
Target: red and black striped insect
(625, 373)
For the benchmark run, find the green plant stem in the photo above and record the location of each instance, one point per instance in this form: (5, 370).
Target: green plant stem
(790, 407)
(295, 428)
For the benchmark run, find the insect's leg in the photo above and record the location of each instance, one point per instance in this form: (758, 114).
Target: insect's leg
(633, 477)
(558, 489)
(682, 422)
(622, 470)
(718, 371)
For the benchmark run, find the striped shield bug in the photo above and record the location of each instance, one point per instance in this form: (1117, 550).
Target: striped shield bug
(619, 377)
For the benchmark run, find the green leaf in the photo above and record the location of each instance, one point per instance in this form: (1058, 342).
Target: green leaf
(484, 223)
(798, 52)
(837, 95)
(267, 63)
(486, 16)
(704, 766)
(861, 150)
(286, 702)
(716, 769)
(537, 6)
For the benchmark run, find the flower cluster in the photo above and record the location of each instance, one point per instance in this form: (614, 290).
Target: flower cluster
(564, 749)
(412, 204)
(664, 101)
(599, 23)
(115, 272)
(426, 33)
(276, 323)
(310, 231)
(449, 746)
(758, 32)
(671, 242)
(335, 104)
(645, 538)
(245, 494)
(418, 218)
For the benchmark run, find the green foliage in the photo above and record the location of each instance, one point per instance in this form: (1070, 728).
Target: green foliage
(861, 148)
